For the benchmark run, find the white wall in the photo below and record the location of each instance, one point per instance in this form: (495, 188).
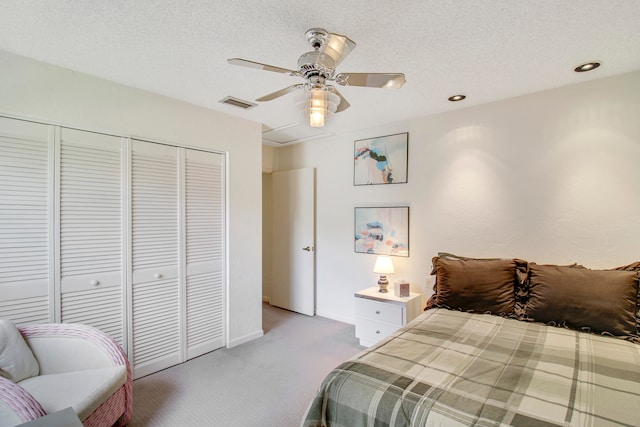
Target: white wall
(549, 177)
(43, 92)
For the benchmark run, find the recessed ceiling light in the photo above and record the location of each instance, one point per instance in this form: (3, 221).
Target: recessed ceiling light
(587, 67)
(456, 98)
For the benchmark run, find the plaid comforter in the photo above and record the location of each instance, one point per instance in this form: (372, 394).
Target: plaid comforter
(449, 368)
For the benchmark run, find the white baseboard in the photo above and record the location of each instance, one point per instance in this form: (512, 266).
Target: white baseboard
(343, 319)
(246, 338)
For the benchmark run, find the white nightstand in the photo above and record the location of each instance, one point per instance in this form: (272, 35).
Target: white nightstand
(379, 314)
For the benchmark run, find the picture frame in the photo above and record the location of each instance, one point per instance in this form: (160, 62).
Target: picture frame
(381, 160)
(382, 230)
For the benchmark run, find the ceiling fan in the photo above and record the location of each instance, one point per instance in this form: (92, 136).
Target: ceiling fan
(318, 67)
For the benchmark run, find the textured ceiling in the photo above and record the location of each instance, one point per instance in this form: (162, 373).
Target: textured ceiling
(485, 49)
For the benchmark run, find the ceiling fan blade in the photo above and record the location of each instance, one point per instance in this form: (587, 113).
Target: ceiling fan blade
(261, 66)
(338, 47)
(383, 80)
(344, 104)
(279, 93)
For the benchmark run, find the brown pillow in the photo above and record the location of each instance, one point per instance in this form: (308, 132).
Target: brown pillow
(635, 267)
(484, 286)
(522, 287)
(596, 300)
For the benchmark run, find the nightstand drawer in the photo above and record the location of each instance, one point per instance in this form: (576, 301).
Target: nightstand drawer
(379, 312)
(370, 331)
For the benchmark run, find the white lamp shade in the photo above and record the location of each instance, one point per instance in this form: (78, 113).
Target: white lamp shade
(383, 265)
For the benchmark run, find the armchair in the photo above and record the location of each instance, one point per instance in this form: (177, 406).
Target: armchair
(79, 367)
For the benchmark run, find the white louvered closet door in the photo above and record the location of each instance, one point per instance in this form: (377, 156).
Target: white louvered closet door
(204, 215)
(26, 221)
(91, 230)
(155, 246)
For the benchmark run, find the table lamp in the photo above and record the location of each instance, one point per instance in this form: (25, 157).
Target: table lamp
(383, 267)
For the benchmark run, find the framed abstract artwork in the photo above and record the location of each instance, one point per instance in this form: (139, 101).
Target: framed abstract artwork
(381, 160)
(382, 231)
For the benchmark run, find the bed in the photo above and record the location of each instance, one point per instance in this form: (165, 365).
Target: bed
(461, 364)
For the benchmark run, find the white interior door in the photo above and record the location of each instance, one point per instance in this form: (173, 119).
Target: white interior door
(294, 240)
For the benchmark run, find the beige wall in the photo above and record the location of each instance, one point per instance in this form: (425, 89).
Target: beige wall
(32, 89)
(267, 236)
(268, 159)
(548, 177)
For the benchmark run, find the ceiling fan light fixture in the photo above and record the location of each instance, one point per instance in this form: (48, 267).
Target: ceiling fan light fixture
(317, 68)
(318, 103)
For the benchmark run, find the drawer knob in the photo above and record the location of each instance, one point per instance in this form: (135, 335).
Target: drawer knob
(94, 282)
(157, 275)
(377, 332)
(377, 311)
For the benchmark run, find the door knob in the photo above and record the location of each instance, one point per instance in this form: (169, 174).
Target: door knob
(307, 248)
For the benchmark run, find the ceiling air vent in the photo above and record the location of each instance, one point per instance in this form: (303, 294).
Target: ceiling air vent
(236, 102)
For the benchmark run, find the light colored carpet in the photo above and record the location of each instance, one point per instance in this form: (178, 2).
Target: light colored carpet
(265, 382)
